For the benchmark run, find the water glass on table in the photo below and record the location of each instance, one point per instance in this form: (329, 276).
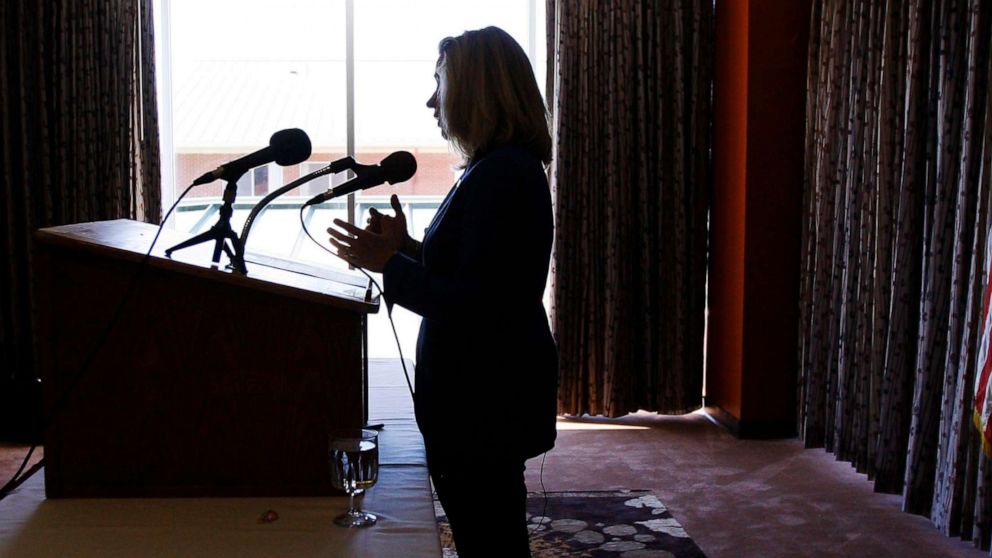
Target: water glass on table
(354, 456)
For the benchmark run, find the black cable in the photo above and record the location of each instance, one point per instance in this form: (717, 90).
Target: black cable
(389, 311)
(34, 469)
(545, 491)
(16, 480)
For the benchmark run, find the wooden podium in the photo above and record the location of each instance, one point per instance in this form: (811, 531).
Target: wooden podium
(209, 384)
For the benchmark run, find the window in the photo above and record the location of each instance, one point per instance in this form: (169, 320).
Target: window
(355, 75)
(254, 182)
(322, 183)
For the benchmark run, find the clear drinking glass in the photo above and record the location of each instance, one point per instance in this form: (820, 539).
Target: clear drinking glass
(354, 455)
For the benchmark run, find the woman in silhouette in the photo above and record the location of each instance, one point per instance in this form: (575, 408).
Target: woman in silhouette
(486, 373)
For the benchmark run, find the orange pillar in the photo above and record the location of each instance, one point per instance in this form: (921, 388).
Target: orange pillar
(759, 134)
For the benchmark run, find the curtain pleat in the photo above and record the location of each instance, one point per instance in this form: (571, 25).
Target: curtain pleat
(80, 138)
(976, 502)
(895, 234)
(950, 221)
(631, 180)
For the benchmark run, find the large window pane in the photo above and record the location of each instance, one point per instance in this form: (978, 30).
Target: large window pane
(241, 70)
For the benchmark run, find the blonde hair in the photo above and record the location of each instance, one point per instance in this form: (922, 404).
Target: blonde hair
(491, 97)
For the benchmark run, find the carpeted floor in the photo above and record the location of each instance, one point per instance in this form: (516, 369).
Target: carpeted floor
(11, 457)
(741, 498)
(624, 523)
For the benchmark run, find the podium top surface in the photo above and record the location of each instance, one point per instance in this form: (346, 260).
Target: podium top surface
(129, 240)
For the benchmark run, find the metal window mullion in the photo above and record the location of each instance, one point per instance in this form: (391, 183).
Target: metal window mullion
(532, 33)
(163, 75)
(350, 92)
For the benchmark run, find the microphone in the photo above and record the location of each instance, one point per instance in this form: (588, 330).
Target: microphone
(396, 167)
(286, 147)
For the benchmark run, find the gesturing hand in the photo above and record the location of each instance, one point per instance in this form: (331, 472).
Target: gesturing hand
(372, 247)
(388, 225)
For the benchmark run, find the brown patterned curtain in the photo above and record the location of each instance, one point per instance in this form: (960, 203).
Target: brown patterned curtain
(899, 138)
(80, 143)
(632, 80)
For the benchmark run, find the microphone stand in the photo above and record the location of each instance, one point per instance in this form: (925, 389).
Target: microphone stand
(220, 233)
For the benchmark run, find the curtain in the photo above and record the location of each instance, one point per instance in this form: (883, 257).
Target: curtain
(631, 176)
(80, 143)
(896, 215)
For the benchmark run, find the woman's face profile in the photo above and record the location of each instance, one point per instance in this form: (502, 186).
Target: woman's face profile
(437, 99)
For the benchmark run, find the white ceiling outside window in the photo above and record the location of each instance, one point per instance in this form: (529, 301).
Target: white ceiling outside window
(244, 69)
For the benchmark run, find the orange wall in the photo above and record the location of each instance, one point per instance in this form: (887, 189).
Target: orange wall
(759, 134)
(726, 278)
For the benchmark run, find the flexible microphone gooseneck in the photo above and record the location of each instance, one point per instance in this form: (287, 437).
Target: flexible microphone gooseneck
(335, 167)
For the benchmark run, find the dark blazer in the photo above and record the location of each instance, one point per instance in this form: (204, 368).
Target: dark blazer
(487, 365)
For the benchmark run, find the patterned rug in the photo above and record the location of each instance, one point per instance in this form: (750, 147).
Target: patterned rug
(622, 524)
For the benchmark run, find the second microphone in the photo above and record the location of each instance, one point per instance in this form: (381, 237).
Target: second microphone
(396, 167)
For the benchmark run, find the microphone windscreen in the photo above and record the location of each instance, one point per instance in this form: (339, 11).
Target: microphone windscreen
(292, 146)
(399, 166)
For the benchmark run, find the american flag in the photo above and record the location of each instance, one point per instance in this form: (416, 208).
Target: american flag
(983, 389)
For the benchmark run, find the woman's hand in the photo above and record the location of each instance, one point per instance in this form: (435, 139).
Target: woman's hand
(372, 247)
(386, 224)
